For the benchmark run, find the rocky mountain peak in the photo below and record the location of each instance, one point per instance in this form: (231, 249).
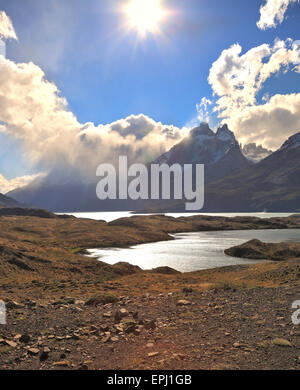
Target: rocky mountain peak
(292, 142)
(202, 131)
(224, 134)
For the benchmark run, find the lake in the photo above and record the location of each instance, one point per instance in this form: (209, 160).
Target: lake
(188, 251)
(192, 251)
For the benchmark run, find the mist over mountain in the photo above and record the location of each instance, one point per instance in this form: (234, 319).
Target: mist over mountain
(66, 191)
(233, 183)
(6, 201)
(255, 152)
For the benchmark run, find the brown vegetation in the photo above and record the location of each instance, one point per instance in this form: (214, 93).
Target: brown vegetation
(137, 319)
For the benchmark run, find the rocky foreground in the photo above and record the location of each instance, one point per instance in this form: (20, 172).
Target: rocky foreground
(223, 328)
(67, 311)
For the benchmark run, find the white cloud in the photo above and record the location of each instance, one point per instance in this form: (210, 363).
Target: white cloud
(203, 110)
(32, 110)
(9, 185)
(7, 30)
(237, 79)
(269, 124)
(272, 13)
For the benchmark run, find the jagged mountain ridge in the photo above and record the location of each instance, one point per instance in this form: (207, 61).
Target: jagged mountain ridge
(271, 185)
(220, 152)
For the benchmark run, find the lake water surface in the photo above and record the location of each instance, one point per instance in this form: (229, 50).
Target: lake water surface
(192, 251)
(189, 251)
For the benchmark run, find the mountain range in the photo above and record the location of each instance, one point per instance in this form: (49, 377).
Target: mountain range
(219, 152)
(233, 182)
(271, 185)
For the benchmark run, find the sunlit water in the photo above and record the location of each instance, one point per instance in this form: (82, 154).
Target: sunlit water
(189, 251)
(192, 251)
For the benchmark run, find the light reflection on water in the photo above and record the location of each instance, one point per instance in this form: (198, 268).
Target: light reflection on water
(192, 251)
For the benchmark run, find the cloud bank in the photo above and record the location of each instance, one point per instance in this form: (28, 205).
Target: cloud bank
(237, 79)
(9, 185)
(53, 137)
(33, 111)
(273, 12)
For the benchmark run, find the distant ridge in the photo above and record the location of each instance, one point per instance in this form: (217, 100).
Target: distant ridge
(27, 212)
(6, 201)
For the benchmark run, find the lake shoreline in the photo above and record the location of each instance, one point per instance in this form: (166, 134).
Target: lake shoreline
(192, 251)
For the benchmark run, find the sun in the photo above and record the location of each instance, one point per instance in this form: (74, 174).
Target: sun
(144, 15)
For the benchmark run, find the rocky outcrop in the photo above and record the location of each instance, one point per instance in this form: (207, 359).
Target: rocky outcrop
(256, 249)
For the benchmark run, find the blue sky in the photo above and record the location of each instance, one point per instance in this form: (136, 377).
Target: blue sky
(106, 73)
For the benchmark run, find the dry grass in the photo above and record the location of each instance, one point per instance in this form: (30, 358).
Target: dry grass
(50, 247)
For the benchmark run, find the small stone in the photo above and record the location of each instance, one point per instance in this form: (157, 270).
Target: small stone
(25, 338)
(107, 315)
(237, 345)
(153, 354)
(13, 305)
(45, 354)
(282, 342)
(183, 302)
(11, 344)
(63, 363)
(33, 351)
(106, 339)
(149, 345)
(124, 312)
(79, 302)
(119, 328)
(130, 328)
(179, 356)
